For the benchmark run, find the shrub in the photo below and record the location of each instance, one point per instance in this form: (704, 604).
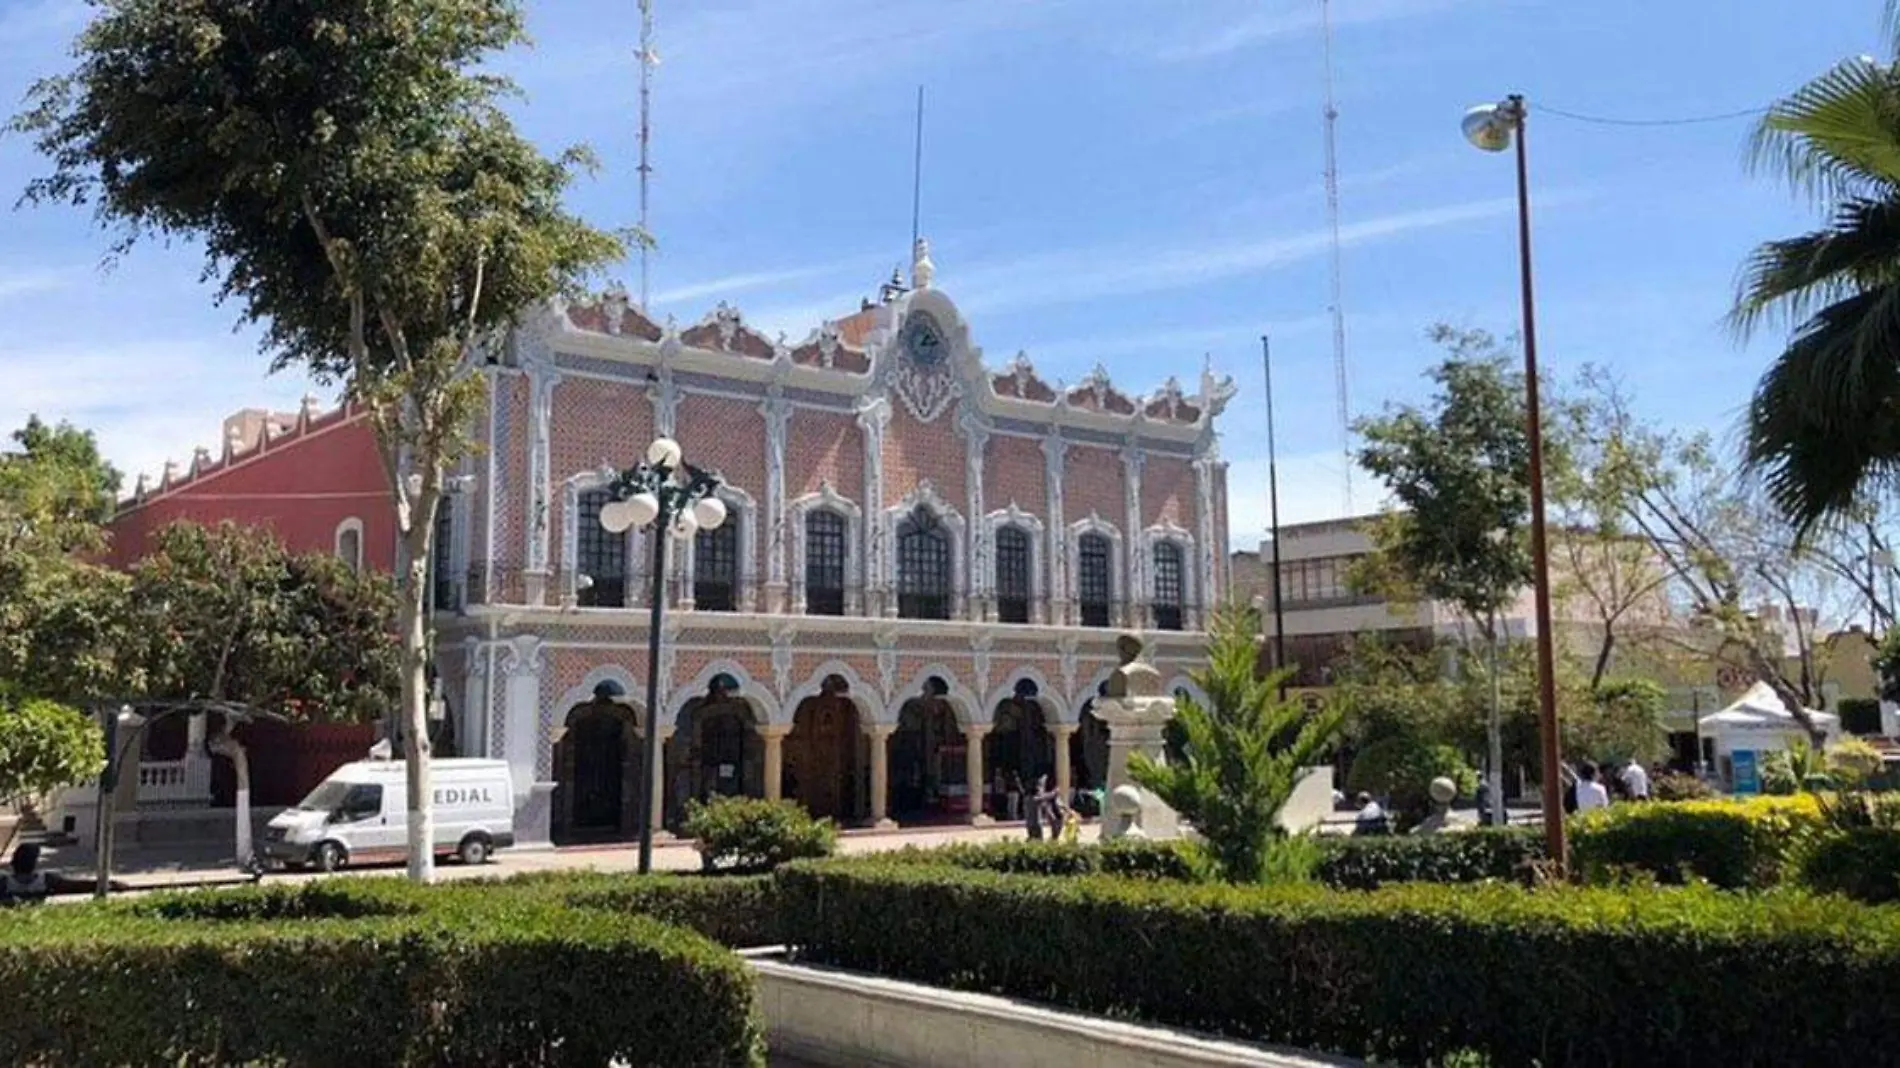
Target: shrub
(1241, 756)
(1401, 768)
(1134, 858)
(1503, 853)
(1862, 863)
(1733, 844)
(1407, 974)
(369, 972)
(749, 834)
(737, 911)
(1851, 762)
(1679, 787)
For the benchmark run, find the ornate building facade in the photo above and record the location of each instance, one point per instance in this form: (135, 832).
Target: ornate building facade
(913, 601)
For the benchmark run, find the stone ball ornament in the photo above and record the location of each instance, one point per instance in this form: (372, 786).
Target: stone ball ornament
(1443, 790)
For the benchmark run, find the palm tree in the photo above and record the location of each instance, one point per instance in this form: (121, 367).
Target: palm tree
(1823, 427)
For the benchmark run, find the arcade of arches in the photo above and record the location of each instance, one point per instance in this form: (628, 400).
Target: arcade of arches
(830, 758)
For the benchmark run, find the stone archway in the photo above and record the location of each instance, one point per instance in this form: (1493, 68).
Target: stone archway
(715, 750)
(597, 771)
(929, 755)
(825, 753)
(1019, 749)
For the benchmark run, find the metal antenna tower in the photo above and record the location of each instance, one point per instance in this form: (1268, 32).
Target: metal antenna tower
(1332, 220)
(648, 60)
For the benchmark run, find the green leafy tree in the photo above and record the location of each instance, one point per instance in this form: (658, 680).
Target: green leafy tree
(1242, 752)
(44, 745)
(225, 613)
(65, 633)
(1821, 428)
(358, 190)
(56, 492)
(1460, 472)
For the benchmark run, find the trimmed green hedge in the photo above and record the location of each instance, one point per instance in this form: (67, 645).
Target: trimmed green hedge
(1411, 974)
(368, 972)
(1734, 844)
(737, 911)
(1504, 853)
(1862, 863)
(1129, 858)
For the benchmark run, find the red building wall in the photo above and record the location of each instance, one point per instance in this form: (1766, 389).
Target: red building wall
(301, 486)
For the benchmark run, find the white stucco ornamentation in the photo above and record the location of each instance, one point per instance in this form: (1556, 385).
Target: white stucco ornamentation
(1030, 524)
(827, 499)
(976, 439)
(1193, 583)
(1095, 524)
(1055, 452)
(1207, 470)
(778, 422)
(743, 511)
(571, 489)
(1134, 463)
(664, 392)
(874, 416)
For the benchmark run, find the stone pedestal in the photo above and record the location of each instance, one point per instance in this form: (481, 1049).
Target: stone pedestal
(880, 735)
(1136, 713)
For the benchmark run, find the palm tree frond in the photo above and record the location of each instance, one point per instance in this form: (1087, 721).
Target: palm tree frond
(1789, 280)
(1838, 135)
(1825, 420)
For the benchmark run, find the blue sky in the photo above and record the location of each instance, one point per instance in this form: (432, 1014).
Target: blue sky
(1134, 182)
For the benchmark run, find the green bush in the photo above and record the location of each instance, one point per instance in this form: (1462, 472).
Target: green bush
(1862, 863)
(1408, 974)
(1401, 768)
(1733, 844)
(750, 834)
(1680, 787)
(1131, 858)
(372, 972)
(1504, 853)
(737, 911)
(44, 745)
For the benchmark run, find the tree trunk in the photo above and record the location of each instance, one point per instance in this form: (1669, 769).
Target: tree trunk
(415, 691)
(223, 744)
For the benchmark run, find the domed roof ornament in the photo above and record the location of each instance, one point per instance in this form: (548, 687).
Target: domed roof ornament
(922, 270)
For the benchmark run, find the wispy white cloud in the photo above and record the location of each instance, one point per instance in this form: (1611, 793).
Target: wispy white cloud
(146, 401)
(28, 281)
(750, 280)
(1288, 18)
(1089, 274)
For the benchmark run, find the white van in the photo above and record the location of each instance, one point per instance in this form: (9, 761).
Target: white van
(359, 815)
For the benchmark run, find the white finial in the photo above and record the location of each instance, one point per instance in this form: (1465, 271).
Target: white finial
(613, 306)
(309, 409)
(139, 488)
(233, 440)
(922, 271)
(171, 473)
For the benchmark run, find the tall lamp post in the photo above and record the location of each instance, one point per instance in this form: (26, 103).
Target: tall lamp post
(674, 498)
(1494, 128)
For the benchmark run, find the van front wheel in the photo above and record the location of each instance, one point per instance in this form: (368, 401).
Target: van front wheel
(328, 857)
(473, 850)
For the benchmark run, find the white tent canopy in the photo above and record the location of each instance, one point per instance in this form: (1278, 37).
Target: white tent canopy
(1761, 709)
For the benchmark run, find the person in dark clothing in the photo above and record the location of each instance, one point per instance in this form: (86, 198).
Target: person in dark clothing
(23, 883)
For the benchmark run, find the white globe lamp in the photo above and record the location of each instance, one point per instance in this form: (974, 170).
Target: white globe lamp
(664, 452)
(1488, 127)
(710, 512)
(645, 508)
(617, 517)
(685, 526)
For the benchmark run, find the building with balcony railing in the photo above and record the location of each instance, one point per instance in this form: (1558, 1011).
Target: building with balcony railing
(914, 600)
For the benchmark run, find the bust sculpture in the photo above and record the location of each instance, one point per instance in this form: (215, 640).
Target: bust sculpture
(1135, 677)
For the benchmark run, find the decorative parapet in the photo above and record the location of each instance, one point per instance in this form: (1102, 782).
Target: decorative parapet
(267, 432)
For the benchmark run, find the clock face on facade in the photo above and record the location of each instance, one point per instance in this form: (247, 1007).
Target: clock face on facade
(923, 342)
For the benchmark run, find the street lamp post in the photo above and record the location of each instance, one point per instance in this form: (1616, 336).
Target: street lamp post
(1494, 128)
(675, 498)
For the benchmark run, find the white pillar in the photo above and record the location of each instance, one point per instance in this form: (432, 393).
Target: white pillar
(1062, 732)
(774, 736)
(973, 736)
(880, 735)
(778, 419)
(656, 797)
(1055, 558)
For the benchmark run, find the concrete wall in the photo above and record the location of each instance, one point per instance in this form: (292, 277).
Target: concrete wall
(837, 1018)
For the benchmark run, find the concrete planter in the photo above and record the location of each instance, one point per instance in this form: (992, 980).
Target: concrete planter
(835, 1018)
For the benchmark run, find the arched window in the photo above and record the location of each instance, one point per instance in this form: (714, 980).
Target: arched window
(349, 543)
(716, 567)
(1095, 584)
(923, 568)
(442, 556)
(601, 556)
(824, 562)
(1012, 575)
(1168, 599)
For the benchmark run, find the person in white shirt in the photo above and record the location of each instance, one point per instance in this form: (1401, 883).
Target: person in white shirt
(1636, 781)
(1590, 792)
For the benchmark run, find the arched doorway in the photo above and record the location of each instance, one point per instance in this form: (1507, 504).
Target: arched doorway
(715, 750)
(1018, 748)
(823, 753)
(929, 766)
(597, 771)
(1088, 758)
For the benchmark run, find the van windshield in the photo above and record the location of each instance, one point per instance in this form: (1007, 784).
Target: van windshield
(327, 797)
